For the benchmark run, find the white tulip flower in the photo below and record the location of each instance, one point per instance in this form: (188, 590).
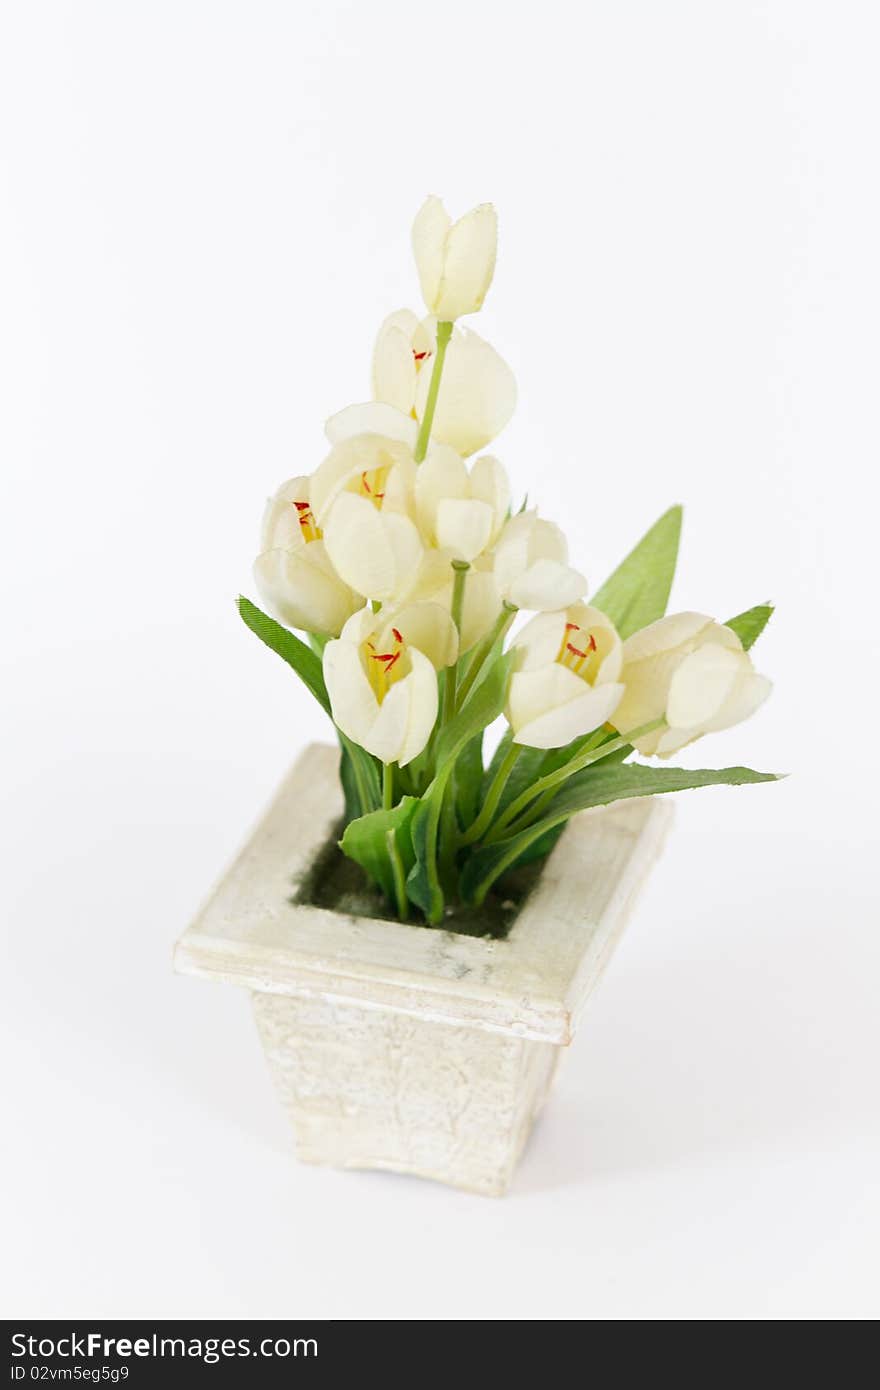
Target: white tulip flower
(455, 260)
(383, 688)
(293, 572)
(531, 565)
(460, 511)
(693, 672)
(477, 389)
(566, 678)
(362, 498)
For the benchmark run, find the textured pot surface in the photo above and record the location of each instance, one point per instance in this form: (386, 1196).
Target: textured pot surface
(410, 1048)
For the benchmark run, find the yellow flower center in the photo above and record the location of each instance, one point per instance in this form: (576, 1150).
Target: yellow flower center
(386, 667)
(307, 524)
(372, 485)
(579, 652)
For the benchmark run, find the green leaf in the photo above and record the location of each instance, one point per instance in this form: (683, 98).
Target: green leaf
(365, 842)
(305, 662)
(638, 591)
(749, 625)
(469, 779)
(360, 777)
(606, 782)
(539, 848)
(484, 704)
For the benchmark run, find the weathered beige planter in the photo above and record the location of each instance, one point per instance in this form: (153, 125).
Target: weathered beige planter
(402, 1047)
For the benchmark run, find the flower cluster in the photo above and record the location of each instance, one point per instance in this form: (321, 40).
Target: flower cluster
(403, 560)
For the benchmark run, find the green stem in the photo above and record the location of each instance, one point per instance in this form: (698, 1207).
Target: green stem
(493, 796)
(444, 333)
(448, 822)
(398, 875)
(460, 568)
(553, 779)
(502, 623)
(535, 811)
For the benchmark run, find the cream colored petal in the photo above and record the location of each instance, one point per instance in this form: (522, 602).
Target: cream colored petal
(702, 683)
(372, 417)
(423, 704)
(748, 694)
(547, 542)
(429, 628)
(573, 720)
(609, 645)
(373, 551)
(280, 529)
(443, 474)
(468, 263)
(512, 550)
(665, 634)
(400, 486)
(646, 689)
(547, 585)
(332, 476)
(648, 745)
(489, 483)
(424, 342)
(394, 368)
(301, 588)
(355, 707)
(405, 546)
(533, 693)
(361, 626)
(477, 394)
(669, 741)
(349, 460)
(433, 577)
(429, 233)
(725, 636)
(387, 734)
(405, 320)
(463, 527)
(482, 607)
(539, 642)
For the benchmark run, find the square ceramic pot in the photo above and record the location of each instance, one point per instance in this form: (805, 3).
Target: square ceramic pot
(404, 1047)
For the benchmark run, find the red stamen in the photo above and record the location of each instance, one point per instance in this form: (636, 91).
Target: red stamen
(576, 651)
(420, 356)
(397, 634)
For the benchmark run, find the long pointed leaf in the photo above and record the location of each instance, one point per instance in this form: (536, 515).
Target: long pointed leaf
(638, 591)
(304, 661)
(607, 783)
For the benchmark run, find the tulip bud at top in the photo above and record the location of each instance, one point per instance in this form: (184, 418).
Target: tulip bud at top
(455, 260)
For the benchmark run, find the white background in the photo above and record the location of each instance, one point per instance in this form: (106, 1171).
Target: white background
(205, 215)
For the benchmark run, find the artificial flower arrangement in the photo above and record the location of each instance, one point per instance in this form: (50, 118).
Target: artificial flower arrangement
(406, 567)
